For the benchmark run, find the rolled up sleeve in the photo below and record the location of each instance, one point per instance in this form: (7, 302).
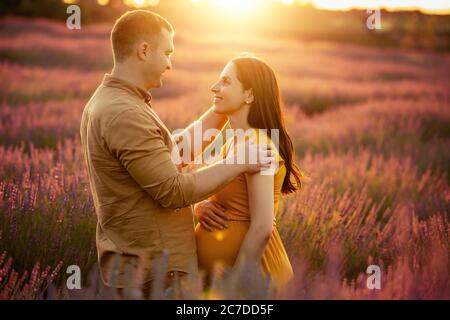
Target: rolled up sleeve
(137, 142)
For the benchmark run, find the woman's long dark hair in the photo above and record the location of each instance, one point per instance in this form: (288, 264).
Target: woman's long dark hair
(266, 112)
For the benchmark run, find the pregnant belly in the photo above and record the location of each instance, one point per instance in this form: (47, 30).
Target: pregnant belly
(219, 246)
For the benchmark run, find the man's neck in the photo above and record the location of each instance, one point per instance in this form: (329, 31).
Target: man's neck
(128, 74)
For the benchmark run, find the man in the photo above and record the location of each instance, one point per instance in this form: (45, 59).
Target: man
(141, 198)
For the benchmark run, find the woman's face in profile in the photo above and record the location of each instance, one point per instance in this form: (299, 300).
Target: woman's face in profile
(229, 94)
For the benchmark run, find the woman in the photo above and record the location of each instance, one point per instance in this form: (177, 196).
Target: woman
(247, 92)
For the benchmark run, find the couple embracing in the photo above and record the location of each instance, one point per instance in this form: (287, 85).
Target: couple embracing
(145, 202)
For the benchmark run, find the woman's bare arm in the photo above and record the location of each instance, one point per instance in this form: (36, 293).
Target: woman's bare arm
(260, 199)
(209, 120)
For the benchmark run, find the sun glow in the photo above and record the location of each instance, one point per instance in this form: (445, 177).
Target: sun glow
(238, 6)
(141, 3)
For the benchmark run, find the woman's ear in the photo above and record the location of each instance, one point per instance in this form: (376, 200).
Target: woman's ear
(249, 98)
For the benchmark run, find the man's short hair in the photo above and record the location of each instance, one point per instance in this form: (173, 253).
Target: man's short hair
(133, 26)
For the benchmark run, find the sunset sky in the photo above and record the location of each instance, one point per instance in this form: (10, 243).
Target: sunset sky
(437, 6)
(427, 6)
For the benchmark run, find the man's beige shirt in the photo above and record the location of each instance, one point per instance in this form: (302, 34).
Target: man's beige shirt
(141, 198)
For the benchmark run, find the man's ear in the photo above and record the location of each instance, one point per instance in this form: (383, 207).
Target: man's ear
(144, 50)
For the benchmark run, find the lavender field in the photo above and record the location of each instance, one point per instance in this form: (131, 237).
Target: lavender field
(371, 128)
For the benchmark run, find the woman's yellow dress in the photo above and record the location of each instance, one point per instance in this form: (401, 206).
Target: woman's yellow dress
(222, 246)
